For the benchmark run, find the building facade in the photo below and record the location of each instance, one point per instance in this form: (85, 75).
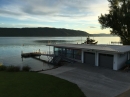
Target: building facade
(108, 56)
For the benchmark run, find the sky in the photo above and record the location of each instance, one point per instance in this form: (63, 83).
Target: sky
(69, 14)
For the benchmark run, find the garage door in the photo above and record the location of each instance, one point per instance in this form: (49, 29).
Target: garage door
(106, 60)
(89, 58)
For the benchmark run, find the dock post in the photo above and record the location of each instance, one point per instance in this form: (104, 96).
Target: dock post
(39, 53)
(49, 49)
(21, 55)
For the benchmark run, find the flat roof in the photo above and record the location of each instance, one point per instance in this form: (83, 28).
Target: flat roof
(110, 48)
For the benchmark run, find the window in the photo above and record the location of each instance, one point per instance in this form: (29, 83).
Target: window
(63, 52)
(69, 53)
(77, 54)
(58, 51)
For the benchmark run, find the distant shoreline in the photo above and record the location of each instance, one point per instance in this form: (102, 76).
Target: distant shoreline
(47, 32)
(63, 36)
(40, 32)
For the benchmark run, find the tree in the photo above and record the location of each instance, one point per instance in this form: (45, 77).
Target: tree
(90, 41)
(118, 19)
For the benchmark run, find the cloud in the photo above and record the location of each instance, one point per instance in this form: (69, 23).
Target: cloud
(31, 25)
(19, 25)
(70, 12)
(92, 27)
(50, 8)
(7, 12)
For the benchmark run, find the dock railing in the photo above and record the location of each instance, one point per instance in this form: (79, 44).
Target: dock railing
(116, 43)
(42, 52)
(47, 52)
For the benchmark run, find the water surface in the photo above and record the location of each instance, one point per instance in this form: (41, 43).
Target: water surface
(11, 48)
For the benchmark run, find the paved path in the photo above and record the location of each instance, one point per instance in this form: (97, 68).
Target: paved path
(94, 81)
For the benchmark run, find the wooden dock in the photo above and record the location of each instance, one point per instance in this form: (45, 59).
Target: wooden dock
(52, 59)
(35, 54)
(26, 55)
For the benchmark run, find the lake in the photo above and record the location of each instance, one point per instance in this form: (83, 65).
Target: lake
(11, 48)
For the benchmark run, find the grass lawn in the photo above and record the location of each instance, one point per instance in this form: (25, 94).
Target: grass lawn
(31, 84)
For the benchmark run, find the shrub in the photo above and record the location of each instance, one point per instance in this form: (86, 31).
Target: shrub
(26, 68)
(13, 68)
(3, 68)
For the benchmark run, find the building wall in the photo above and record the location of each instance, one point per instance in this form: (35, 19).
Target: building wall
(115, 62)
(121, 59)
(96, 59)
(118, 61)
(97, 56)
(82, 56)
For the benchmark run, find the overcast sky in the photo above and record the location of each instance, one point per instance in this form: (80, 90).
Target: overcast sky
(70, 14)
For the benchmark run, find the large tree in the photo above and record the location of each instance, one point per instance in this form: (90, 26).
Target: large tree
(118, 19)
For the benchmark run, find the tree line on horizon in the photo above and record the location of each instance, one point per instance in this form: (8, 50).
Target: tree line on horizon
(40, 32)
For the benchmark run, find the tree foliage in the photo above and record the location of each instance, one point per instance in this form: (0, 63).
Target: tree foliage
(90, 41)
(118, 19)
(40, 32)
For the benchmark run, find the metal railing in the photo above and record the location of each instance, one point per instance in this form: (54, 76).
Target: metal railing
(42, 52)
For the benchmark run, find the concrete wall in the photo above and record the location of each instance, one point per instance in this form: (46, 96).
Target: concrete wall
(96, 59)
(82, 56)
(115, 62)
(121, 59)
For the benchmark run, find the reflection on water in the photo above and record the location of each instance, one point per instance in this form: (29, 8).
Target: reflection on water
(34, 64)
(54, 41)
(107, 40)
(11, 48)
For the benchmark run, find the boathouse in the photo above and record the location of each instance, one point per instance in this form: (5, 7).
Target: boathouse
(108, 56)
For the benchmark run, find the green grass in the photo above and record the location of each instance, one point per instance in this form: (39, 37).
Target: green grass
(3, 68)
(31, 84)
(13, 68)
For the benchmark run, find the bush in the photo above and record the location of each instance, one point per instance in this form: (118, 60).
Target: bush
(3, 68)
(26, 68)
(13, 68)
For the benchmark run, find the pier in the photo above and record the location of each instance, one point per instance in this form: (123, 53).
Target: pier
(35, 54)
(116, 43)
(52, 59)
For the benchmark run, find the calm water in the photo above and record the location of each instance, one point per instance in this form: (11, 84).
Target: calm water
(11, 47)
